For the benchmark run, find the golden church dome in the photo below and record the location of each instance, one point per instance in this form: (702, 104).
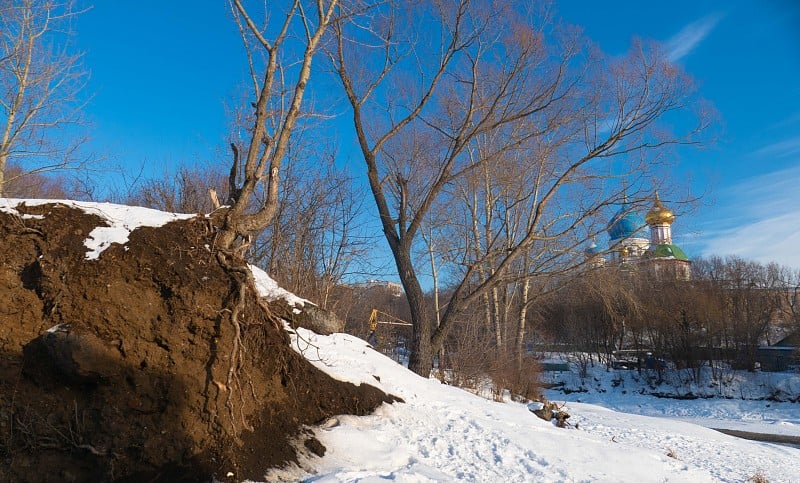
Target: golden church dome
(659, 214)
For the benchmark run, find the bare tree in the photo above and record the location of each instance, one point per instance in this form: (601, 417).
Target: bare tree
(792, 297)
(316, 237)
(41, 79)
(724, 313)
(287, 41)
(431, 82)
(753, 297)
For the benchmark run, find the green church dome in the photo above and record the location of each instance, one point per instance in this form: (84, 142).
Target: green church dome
(669, 250)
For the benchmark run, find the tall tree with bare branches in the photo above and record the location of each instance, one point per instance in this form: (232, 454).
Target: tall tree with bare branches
(41, 80)
(441, 90)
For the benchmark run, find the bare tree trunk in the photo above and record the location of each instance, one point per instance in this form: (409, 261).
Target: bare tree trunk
(3, 162)
(497, 322)
(521, 323)
(436, 308)
(421, 359)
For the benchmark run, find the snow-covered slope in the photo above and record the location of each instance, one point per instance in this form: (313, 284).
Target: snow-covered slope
(442, 433)
(270, 290)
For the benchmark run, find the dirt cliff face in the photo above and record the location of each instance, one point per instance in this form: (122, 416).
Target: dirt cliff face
(155, 362)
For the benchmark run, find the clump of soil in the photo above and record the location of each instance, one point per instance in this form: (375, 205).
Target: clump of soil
(155, 362)
(550, 411)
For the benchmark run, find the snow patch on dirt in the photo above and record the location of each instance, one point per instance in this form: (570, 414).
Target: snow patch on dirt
(121, 220)
(269, 289)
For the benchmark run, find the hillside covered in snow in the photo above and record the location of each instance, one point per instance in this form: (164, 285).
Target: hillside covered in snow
(442, 433)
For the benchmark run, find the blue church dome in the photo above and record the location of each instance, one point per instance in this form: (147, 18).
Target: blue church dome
(626, 223)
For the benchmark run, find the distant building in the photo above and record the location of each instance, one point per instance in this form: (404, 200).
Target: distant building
(632, 249)
(392, 287)
(779, 356)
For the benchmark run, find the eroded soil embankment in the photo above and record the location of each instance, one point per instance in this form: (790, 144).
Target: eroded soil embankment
(164, 366)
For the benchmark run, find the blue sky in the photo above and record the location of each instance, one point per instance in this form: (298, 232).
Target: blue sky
(745, 57)
(162, 73)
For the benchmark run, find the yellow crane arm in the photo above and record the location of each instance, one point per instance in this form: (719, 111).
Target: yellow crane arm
(373, 320)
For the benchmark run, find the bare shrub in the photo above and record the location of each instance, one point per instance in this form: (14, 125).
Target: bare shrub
(34, 185)
(519, 379)
(465, 354)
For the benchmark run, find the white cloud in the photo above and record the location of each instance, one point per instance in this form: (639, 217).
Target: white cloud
(792, 119)
(781, 149)
(772, 239)
(684, 42)
(758, 219)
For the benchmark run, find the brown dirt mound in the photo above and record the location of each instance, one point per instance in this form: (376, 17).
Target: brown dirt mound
(148, 376)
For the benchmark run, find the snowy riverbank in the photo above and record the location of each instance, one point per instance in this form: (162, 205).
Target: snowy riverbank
(756, 402)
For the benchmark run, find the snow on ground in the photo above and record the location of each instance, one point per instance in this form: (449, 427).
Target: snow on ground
(121, 219)
(442, 433)
(741, 400)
